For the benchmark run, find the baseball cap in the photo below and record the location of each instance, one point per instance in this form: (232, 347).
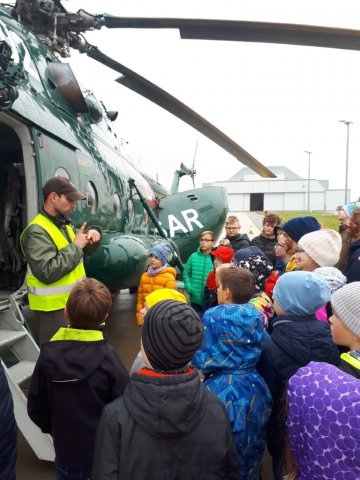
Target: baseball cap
(62, 186)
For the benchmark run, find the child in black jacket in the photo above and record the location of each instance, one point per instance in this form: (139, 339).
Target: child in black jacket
(77, 373)
(167, 425)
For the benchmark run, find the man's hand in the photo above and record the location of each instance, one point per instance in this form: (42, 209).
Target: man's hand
(81, 238)
(93, 236)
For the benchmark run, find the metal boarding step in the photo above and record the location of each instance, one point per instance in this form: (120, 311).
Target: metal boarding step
(19, 353)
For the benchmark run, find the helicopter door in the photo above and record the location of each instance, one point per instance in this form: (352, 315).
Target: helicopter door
(13, 200)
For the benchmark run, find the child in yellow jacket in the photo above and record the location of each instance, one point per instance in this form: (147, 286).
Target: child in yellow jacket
(158, 275)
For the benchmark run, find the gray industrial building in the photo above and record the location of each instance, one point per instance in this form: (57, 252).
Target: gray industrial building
(249, 192)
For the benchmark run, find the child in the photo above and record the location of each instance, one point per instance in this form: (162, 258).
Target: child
(323, 424)
(297, 338)
(345, 325)
(335, 279)
(219, 256)
(318, 249)
(344, 215)
(166, 425)
(254, 260)
(152, 299)
(292, 231)
(197, 269)
(267, 239)
(282, 258)
(281, 251)
(231, 347)
(234, 239)
(77, 373)
(158, 275)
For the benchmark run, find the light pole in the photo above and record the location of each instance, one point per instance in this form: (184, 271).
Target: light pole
(347, 123)
(308, 202)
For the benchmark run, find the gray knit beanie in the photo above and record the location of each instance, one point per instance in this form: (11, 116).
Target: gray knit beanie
(171, 334)
(345, 303)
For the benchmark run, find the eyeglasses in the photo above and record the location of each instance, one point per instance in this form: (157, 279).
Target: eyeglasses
(232, 228)
(205, 240)
(300, 250)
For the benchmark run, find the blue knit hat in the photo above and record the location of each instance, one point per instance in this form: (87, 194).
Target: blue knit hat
(299, 226)
(301, 293)
(162, 251)
(349, 208)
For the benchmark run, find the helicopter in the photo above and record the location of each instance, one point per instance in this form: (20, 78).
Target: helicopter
(49, 126)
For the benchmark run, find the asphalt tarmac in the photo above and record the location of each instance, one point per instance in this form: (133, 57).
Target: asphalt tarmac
(124, 334)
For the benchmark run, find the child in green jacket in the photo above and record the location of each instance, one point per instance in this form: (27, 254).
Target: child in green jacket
(197, 269)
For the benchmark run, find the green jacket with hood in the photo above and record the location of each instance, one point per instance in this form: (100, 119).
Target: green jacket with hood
(196, 271)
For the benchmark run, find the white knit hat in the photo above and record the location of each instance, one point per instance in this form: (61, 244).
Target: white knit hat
(323, 246)
(333, 276)
(345, 303)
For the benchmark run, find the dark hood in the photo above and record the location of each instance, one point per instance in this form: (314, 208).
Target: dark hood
(304, 339)
(166, 406)
(70, 361)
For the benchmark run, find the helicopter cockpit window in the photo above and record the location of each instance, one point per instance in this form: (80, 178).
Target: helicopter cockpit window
(61, 172)
(91, 197)
(117, 205)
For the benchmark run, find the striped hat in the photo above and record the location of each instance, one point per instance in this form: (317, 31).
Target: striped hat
(171, 334)
(345, 303)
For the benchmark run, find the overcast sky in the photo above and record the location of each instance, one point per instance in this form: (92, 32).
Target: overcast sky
(274, 100)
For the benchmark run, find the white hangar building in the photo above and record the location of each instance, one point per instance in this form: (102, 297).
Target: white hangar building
(248, 192)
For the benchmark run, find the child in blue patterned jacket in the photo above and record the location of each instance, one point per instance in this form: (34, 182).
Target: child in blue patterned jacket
(230, 350)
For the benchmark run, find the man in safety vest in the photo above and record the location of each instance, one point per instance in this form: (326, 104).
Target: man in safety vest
(54, 254)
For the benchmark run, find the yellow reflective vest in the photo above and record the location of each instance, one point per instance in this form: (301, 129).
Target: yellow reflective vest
(52, 296)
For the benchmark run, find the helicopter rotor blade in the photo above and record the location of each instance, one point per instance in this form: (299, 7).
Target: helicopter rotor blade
(244, 31)
(189, 116)
(152, 92)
